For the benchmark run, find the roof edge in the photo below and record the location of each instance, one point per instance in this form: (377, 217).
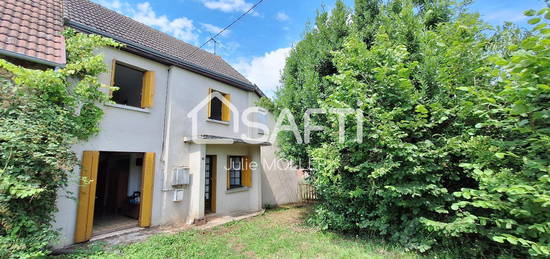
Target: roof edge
(147, 52)
(29, 58)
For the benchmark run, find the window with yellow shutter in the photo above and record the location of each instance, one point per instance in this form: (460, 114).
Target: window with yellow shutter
(136, 87)
(217, 109)
(239, 173)
(235, 172)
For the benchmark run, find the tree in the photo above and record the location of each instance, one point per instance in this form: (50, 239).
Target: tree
(304, 75)
(424, 173)
(42, 114)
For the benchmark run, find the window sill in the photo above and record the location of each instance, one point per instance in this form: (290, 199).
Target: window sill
(217, 121)
(236, 190)
(126, 107)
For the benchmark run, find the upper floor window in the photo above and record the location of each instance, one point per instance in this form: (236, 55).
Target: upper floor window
(136, 86)
(262, 118)
(217, 109)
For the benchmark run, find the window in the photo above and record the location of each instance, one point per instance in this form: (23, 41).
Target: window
(136, 86)
(235, 171)
(217, 110)
(262, 118)
(239, 173)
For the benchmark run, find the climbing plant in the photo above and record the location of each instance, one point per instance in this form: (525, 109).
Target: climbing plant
(42, 114)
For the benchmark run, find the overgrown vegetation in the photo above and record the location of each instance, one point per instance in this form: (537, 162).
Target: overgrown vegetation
(42, 114)
(456, 147)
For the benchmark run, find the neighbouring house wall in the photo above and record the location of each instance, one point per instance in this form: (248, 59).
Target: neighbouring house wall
(279, 180)
(122, 130)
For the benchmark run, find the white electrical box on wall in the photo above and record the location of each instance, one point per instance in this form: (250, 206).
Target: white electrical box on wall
(178, 195)
(181, 176)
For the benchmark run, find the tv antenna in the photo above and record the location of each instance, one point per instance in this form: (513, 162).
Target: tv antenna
(214, 42)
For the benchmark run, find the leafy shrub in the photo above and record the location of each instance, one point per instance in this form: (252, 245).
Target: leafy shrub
(42, 114)
(456, 129)
(509, 157)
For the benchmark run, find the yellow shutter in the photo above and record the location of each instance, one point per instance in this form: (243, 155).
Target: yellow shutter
(210, 103)
(148, 89)
(226, 112)
(228, 172)
(247, 172)
(147, 178)
(86, 197)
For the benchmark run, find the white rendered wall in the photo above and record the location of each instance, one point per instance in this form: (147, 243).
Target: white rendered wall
(236, 200)
(186, 91)
(124, 130)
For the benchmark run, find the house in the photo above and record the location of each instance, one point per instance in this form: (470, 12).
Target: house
(151, 164)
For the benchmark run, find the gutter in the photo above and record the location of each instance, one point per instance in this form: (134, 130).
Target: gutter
(218, 140)
(166, 131)
(29, 58)
(150, 53)
(259, 91)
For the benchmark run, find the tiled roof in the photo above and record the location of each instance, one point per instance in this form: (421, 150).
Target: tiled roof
(33, 29)
(90, 14)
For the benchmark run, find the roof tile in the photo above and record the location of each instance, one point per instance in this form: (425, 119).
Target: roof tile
(20, 26)
(10, 47)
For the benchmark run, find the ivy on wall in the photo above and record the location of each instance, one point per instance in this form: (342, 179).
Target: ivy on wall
(42, 114)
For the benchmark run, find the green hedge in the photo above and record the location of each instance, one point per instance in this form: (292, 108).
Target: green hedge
(456, 151)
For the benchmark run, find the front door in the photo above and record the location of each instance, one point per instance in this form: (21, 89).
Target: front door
(210, 185)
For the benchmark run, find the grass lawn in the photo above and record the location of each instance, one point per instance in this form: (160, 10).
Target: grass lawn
(276, 234)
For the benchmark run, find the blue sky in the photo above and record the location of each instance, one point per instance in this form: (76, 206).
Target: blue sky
(258, 44)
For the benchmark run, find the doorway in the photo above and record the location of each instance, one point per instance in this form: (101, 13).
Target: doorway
(210, 185)
(118, 192)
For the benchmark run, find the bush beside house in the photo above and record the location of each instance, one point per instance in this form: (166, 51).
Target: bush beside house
(456, 129)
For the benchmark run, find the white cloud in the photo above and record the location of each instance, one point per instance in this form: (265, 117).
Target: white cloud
(213, 29)
(282, 17)
(181, 28)
(115, 5)
(265, 71)
(506, 15)
(228, 5)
